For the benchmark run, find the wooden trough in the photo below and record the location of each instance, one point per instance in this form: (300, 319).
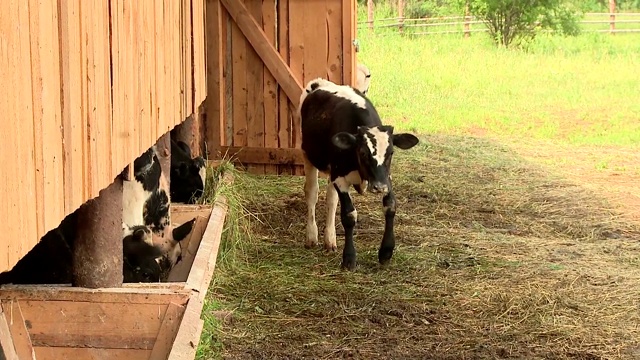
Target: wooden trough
(137, 321)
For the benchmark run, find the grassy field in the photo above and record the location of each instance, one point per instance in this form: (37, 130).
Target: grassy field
(580, 90)
(517, 228)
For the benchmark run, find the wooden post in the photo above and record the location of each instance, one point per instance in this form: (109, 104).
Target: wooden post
(189, 131)
(400, 15)
(163, 147)
(97, 254)
(215, 101)
(612, 16)
(467, 20)
(349, 28)
(370, 14)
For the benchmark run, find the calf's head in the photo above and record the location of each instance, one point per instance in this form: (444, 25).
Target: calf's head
(139, 256)
(146, 259)
(188, 175)
(374, 148)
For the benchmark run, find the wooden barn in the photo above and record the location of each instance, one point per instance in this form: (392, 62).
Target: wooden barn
(90, 85)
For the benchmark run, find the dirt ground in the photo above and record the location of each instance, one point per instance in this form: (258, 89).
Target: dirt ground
(503, 251)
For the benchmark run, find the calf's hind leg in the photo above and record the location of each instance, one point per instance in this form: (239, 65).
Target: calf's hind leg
(330, 224)
(311, 197)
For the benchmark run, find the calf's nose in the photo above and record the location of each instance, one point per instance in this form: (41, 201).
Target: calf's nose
(378, 188)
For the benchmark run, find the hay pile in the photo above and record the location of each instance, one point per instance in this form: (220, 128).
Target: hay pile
(495, 259)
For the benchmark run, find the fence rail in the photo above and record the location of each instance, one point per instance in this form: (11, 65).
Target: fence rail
(629, 23)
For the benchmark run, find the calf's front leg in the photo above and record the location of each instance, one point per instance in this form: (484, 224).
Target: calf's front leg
(348, 217)
(388, 239)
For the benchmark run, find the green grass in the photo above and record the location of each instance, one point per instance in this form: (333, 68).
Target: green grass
(580, 90)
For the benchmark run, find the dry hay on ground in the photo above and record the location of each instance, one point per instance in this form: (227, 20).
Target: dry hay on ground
(495, 259)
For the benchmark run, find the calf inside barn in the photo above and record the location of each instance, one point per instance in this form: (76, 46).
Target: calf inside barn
(51, 260)
(144, 199)
(343, 136)
(147, 262)
(188, 174)
(151, 244)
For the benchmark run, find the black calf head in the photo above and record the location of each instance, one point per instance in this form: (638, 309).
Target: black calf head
(139, 256)
(188, 175)
(374, 148)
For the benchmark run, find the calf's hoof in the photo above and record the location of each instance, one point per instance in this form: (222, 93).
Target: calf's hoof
(310, 244)
(330, 247)
(384, 255)
(348, 263)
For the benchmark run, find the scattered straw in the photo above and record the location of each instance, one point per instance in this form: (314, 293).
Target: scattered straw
(495, 259)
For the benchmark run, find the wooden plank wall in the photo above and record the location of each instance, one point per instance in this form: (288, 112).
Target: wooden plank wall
(314, 39)
(89, 86)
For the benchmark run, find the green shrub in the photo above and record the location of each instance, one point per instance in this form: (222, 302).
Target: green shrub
(518, 21)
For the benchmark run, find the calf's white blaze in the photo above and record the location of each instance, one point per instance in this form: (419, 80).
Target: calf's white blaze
(378, 149)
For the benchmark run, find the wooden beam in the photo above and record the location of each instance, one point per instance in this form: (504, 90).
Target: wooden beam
(349, 25)
(163, 148)
(96, 325)
(205, 261)
(97, 253)
(260, 155)
(128, 294)
(18, 330)
(167, 332)
(272, 59)
(370, 14)
(186, 341)
(190, 247)
(47, 352)
(612, 16)
(215, 77)
(7, 350)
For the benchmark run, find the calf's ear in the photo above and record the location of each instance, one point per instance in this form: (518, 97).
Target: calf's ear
(404, 141)
(183, 230)
(184, 147)
(343, 140)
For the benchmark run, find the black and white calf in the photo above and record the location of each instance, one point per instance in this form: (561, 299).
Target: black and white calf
(51, 260)
(342, 136)
(146, 201)
(188, 174)
(144, 261)
(151, 245)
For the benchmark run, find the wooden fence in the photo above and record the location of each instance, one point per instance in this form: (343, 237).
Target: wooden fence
(261, 53)
(88, 86)
(593, 22)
